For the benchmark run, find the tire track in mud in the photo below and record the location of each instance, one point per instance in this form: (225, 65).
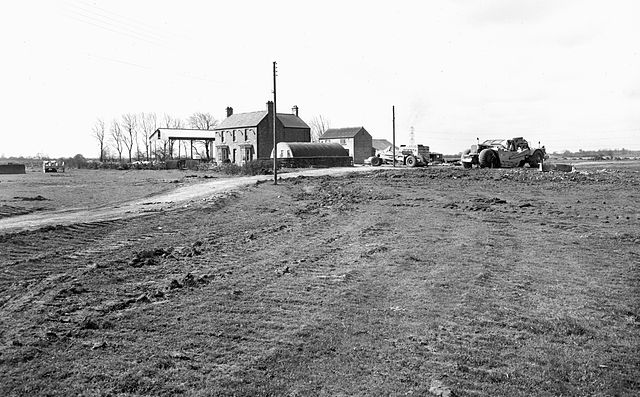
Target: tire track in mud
(34, 254)
(7, 211)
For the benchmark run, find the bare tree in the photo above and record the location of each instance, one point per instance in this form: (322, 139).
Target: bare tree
(319, 124)
(203, 121)
(117, 138)
(149, 123)
(98, 133)
(170, 122)
(129, 123)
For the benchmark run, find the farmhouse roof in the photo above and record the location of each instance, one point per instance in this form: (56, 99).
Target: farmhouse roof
(348, 132)
(380, 144)
(252, 119)
(181, 133)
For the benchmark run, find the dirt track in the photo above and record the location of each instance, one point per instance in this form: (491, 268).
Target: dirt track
(160, 202)
(493, 282)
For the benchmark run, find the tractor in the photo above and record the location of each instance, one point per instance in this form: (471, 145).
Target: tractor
(409, 155)
(507, 153)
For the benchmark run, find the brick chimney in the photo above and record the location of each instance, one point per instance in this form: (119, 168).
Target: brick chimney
(229, 111)
(270, 108)
(294, 110)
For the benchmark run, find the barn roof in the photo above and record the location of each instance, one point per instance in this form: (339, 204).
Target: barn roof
(181, 133)
(380, 144)
(252, 119)
(348, 132)
(313, 149)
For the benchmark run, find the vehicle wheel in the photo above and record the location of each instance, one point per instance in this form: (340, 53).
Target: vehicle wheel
(488, 159)
(466, 164)
(411, 161)
(376, 161)
(535, 159)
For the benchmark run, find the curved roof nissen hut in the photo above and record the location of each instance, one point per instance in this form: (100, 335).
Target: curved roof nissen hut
(310, 150)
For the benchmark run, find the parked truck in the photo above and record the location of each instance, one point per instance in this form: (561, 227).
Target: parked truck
(409, 155)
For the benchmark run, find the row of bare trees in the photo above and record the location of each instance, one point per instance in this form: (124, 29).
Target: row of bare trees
(130, 135)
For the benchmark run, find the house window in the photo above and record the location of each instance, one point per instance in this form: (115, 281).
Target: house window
(343, 141)
(221, 136)
(246, 134)
(234, 135)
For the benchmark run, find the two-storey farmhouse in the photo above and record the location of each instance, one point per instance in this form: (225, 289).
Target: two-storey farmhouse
(244, 137)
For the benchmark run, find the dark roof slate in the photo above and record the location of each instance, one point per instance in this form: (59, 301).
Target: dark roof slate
(252, 119)
(348, 132)
(291, 121)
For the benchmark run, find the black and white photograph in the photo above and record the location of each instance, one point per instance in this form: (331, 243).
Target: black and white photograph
(324, 198)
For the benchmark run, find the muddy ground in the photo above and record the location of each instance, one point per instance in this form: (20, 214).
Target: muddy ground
(389, 282)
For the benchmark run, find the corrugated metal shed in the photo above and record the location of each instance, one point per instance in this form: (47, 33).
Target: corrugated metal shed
(310, 150)
(348, 132)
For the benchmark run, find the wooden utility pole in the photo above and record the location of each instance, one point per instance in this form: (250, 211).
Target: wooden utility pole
(393, 112)
(275, 140)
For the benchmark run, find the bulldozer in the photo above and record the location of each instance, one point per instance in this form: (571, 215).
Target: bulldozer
(506, 153)
(409, 155)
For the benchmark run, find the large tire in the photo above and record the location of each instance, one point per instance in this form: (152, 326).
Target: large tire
(535, 159)
(411, 161)
(466, 164)
(488, 159)
(376, 161)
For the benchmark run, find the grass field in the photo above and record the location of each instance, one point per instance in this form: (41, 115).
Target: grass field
(492, 282)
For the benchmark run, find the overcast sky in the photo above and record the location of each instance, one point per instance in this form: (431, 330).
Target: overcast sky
(562, 72)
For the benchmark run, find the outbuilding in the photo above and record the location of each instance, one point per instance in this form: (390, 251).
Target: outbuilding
(307, 154)
(355, 139)
(163, 142)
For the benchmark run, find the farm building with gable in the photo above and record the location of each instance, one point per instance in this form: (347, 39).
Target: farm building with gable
(244, 137)
(380, 145)
(355, 139)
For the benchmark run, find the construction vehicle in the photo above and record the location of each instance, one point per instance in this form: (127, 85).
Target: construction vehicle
(52, 166)
(507, 153)
(409, 155)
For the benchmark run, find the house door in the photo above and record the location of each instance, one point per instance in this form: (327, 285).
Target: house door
(248, 153)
